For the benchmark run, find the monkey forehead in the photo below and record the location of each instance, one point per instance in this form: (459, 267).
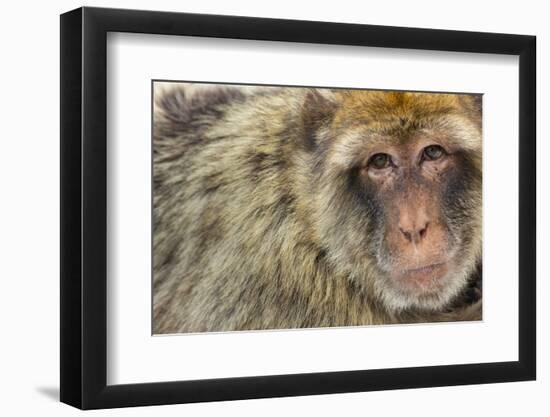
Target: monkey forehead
(402, 111)
(382, 106)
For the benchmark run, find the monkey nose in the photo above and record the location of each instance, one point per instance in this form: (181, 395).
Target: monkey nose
(414, 234)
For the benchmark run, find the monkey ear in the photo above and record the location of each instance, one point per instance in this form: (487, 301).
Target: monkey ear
(473, 104)
(318, 110)
(477, 100)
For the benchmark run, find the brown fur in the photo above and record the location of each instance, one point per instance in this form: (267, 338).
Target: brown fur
(255, 224)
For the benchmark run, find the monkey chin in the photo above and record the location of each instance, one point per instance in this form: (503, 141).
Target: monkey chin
(427, 288)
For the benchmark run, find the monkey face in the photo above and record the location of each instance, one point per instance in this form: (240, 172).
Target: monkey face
(408, 225)
(420, 243)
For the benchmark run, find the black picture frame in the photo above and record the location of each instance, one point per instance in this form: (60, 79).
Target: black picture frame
(84, 207)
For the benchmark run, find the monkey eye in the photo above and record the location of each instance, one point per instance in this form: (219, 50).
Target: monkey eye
(380, 161)
(433, 153)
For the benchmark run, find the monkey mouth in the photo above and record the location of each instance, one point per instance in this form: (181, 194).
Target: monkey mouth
(427, 278)
(427, 270)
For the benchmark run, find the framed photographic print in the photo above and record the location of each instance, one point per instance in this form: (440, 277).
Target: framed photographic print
(257, 208)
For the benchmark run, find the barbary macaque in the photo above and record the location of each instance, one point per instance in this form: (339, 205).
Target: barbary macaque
(283, 207)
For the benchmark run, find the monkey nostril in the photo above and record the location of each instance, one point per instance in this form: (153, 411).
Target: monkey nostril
(407, 235)
(423, 232)
(415, 235)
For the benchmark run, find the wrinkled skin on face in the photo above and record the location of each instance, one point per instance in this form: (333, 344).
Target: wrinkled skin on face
(400, 207)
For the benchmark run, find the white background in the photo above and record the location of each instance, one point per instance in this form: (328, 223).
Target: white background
(29, 217)
(134, 356)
